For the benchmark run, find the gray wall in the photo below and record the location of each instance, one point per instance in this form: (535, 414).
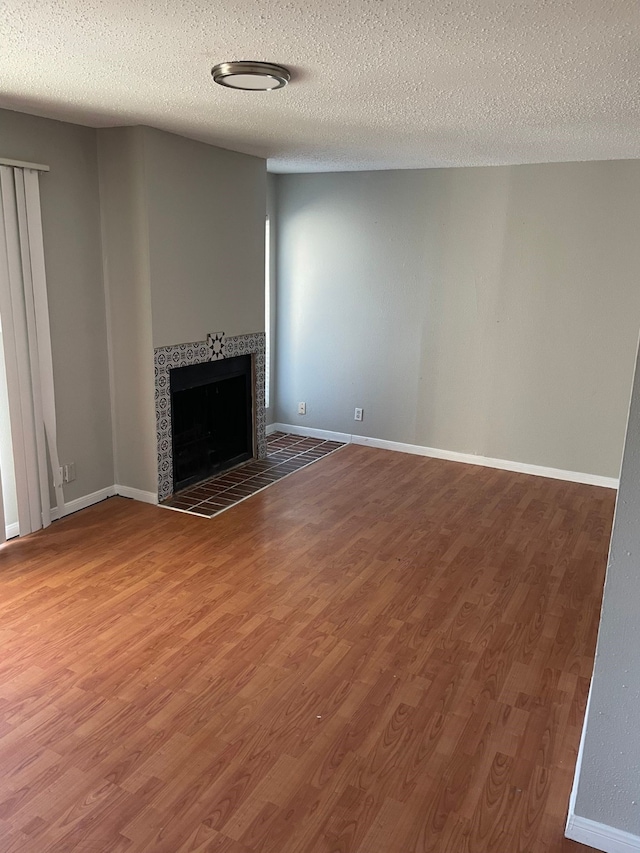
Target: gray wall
(183, 235)
(206, 212)
(491, 311)
(71, 226)
(608, 789)
(128, 294)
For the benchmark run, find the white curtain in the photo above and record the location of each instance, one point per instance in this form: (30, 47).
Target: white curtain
(27, 349)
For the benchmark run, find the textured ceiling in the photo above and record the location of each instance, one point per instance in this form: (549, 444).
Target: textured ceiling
(376, 84)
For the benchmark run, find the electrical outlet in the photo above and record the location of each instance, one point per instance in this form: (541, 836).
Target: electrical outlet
(302, 408)
(358, 415)
(69, 472)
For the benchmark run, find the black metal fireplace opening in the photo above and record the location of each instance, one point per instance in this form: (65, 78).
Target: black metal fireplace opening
(211, 418)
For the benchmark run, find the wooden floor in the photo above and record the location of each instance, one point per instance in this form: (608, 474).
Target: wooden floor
(380, 654)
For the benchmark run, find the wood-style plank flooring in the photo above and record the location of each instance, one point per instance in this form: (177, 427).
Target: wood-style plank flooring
(380, 654)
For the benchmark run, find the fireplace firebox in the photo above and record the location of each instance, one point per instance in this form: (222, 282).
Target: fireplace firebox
(212, 418)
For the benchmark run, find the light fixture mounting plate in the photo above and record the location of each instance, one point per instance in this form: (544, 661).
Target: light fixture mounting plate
(251, 76)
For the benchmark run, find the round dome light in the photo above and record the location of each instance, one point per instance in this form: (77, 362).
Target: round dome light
(250, 76)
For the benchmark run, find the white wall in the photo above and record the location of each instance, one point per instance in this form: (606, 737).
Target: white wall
(491, 311)
(71, 228)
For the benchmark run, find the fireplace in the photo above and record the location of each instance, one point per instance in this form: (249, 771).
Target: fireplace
(212, 418)
(218, 351)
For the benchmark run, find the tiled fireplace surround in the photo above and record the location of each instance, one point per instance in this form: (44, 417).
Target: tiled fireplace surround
(215, 347)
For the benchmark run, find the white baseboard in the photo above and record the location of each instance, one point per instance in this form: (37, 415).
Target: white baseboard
(488, 462)
(330, 435)
(136, 494)
(309, 432)
(70, 507)
(12, 530)
(576, 774)
(102, 494)
(83, 502)
(602, 837)
(454, 456)
(590, 832)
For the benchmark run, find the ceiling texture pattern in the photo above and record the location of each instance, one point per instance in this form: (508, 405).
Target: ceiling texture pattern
(375, 84)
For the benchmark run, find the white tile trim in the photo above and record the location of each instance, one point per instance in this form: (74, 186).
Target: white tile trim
(136, 494)
(454, 456)
(194, 511)
(602, 837)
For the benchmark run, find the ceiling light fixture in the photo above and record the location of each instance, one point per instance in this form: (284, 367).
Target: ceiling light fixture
(250, 76)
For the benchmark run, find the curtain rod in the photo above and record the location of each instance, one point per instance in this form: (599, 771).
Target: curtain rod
(22, 165)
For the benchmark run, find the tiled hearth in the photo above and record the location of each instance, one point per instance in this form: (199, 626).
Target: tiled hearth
(285, 454)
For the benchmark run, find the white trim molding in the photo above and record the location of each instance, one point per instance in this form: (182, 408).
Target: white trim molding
(308, 432)
(599, 835)
(574, 823)
(83, 502)
(136, 494)
(12, 530)
(103, 494)
(590, 832)
(20, 164)
(453, 456)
